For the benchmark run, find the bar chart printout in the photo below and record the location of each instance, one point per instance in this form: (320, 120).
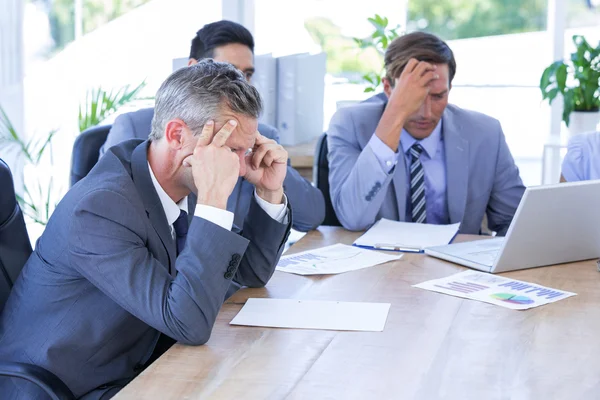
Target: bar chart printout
(494, 289)
(333, 259)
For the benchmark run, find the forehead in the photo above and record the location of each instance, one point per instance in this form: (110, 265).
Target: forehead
(442, 83)
(235, 53)
(244, 133)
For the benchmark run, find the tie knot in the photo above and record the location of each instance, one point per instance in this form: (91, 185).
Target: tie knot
(181, 224)
(416, 150)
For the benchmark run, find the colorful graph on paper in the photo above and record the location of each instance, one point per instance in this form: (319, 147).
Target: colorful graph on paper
(495, 289)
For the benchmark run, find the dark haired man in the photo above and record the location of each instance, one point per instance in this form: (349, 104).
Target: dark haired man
(230, 42)
(416, 158)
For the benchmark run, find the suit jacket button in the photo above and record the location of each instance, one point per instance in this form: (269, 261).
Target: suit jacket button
(236, 258)
(228, 275)
(232, 264)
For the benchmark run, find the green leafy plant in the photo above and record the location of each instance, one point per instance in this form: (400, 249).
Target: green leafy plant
(99, 104)
(379, 40)
(39, 199)
(37, 204)
(578, 80)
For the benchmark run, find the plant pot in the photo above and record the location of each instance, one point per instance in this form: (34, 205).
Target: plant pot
(583, 121)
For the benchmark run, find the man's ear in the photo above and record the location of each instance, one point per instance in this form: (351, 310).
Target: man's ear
(192, 61)
(175, 131)
(387, 87)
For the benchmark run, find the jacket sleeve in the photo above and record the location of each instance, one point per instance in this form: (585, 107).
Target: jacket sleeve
(308, 204)
(110, 250)
(507, 190)
(357, 182)
(266, 241)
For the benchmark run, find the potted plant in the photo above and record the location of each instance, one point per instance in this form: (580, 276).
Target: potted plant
(578, 81)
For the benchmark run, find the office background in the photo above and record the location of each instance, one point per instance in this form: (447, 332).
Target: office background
(54, 52)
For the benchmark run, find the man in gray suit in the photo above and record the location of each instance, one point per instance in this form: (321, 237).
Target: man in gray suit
(230, 42)
(140, 253)
(414, 157)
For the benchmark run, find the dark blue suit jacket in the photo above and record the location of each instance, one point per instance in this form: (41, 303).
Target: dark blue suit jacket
(308, 205)
(104, 279)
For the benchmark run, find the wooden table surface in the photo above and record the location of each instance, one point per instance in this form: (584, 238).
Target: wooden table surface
(434, 346)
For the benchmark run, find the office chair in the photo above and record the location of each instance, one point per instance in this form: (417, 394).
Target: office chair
(15, 249)
(321, 179)
(86, 150)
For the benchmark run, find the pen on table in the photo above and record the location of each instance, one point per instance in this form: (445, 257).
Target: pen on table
(395, 247)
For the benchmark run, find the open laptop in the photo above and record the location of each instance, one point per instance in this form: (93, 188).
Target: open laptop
(553, 224)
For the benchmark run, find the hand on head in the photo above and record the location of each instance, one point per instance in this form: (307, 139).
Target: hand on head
(215, 168)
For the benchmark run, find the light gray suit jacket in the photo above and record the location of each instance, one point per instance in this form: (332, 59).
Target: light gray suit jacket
(481, 174)
(104, 279)
(308, 205)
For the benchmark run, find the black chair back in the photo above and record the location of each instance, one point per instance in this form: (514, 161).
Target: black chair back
(15, 247)
(321, 179)
(86, 151)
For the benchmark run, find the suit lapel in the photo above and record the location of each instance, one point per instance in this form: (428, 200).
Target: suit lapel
(154, 209)
(457, 166)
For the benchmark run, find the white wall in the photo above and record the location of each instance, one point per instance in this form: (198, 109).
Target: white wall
(11, 72)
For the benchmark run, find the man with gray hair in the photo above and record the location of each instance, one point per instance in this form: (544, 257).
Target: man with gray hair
(140, 253)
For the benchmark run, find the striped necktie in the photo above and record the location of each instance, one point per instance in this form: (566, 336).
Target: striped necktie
(417, 185)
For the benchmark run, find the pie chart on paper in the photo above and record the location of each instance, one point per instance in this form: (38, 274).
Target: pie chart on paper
(512, 298)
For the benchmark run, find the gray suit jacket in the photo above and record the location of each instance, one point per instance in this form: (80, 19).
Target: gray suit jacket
(308, 205)
(104, 279)
(481, 174)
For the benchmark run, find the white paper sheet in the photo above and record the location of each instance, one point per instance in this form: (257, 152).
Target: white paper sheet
(308, 314)
(494, 289)
(406, 236)
(333, 259)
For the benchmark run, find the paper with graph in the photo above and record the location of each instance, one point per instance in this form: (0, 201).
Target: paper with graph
(333, 259)
(494, 289)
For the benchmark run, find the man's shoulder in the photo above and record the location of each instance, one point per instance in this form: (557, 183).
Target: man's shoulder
(112, 173)
(361, 117)
(470, 117)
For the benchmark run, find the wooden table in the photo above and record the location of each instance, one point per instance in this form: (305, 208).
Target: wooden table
(434, 346)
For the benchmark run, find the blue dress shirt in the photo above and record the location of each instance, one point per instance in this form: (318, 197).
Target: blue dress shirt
(433, 160)
(582, 161)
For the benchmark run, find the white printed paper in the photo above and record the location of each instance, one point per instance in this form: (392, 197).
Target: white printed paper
(308, 314)
(494, 289)
(333, 259)
(406, 236)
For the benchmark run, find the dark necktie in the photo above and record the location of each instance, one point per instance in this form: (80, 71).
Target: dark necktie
(181, 226)
(417, 185)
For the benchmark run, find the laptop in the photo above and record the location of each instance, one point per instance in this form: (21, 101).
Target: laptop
(554, 224)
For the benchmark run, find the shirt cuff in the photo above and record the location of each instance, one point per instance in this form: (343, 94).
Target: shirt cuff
(279, 212)
(217, 216)
(386, 156)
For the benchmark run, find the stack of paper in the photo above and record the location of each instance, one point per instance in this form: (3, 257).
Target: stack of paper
(333, 259)
(494, 289)
(406, 236)
(307, 314)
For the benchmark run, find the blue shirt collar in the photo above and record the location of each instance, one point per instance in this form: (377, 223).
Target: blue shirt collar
(430, 143)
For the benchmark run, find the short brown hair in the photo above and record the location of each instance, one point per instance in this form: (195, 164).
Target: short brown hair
(421, 46)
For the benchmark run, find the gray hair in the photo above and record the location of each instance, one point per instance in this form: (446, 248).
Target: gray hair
(196, 94)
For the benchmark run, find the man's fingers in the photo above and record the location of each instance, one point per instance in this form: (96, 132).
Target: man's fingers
(222, 136)
(260, 139)
(410, 65)
(207, 133)
(428, 77)
(188, 161)
(423, 68)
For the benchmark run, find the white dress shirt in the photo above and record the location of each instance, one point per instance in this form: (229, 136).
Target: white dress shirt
(217, 216)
